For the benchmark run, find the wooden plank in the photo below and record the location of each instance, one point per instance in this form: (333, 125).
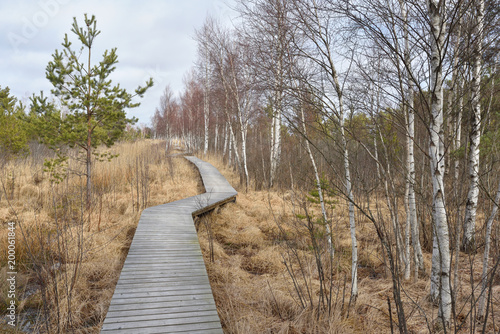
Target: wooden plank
(165, 315)
(203, 321)
(160, 305)
(163, 286)
(160, 310)
(202, 328)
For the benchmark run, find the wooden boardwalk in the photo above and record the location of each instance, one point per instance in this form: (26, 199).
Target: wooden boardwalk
(163, 286)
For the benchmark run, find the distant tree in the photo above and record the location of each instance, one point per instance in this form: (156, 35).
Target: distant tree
(267, 28)
(13, 135)
(164, 118)
(92, 109)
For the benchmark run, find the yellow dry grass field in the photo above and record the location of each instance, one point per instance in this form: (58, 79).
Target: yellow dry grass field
(67, 266)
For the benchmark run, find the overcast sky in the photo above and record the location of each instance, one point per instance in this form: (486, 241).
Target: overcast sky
(154, 38)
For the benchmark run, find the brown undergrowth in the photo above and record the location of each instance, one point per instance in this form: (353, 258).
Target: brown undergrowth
(265, 279)
(67, 265)
(258, 252)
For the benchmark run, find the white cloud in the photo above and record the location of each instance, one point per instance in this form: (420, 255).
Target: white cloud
(154, 38)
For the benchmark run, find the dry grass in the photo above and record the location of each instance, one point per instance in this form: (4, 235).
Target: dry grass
(67, 265)
(255, 294)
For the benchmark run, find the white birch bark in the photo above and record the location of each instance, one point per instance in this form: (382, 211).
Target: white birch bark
(275, 141)
(277, 105)
(417, 249)
(352, 221)
(272, 157)
(440, 273)
(224, 149)
(407, 272)
(206, 106)
(468, 243)
(230, 149)
(244, 152)
(234, 146)
(216, 138)
(242, 102)
(412, 222)
(458, 130)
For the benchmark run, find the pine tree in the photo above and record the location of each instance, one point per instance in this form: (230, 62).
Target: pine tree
(93, 109)
(13, 135)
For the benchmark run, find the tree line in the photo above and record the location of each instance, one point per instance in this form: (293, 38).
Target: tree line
(391, 103)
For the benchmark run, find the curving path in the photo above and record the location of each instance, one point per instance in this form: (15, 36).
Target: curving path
(163, 286)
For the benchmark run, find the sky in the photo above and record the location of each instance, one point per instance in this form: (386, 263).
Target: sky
(154, 38)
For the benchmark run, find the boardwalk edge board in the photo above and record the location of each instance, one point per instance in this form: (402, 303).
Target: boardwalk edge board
(163, 269)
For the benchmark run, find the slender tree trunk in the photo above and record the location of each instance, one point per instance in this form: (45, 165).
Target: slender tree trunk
(486, 256)
(412, 206)
(318, 185)
(350, 196)
(262, 159)
(230, 149)
(236, 153)
(272, 164)
(456, 111)
(352, 221)
(89, 168)
(407, 272)
(348, 183)
(392, 206)
(458, 129)
(375, 152)
(216, 138)
(206, 109)
(275, 144)
(440, 274)
(468, 243)
(278, 46)
(89, 141)
(411, 219)
(244, 153)
(225, 140)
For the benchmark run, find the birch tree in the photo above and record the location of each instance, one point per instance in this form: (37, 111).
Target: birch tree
(468, 243)
(314, 21)
(202, 37)
(232, 61)
(268, 30)
(440, 273)
(163, 120)
(206, 106)
(411, 214)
